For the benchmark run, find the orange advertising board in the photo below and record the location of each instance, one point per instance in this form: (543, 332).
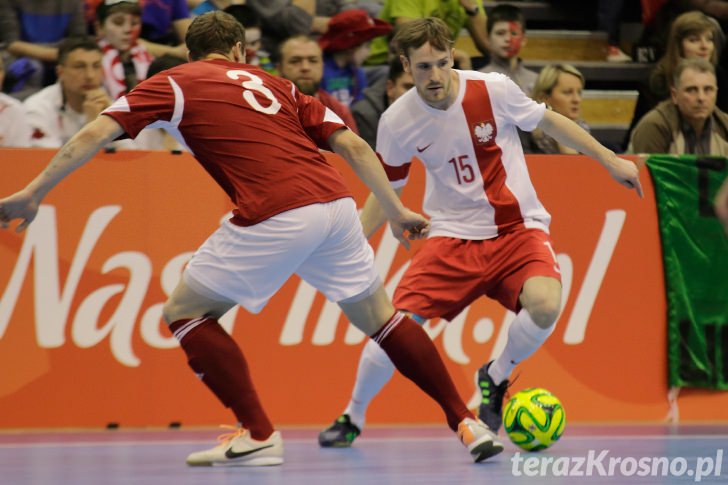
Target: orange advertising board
(82, 342)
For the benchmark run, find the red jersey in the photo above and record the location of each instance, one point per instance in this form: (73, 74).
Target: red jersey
(254, 133)
(341, 110)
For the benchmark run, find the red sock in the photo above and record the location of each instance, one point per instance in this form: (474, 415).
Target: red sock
(416, 357)
(218, 361)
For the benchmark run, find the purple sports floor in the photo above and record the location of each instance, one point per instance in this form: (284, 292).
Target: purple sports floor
(614, 454)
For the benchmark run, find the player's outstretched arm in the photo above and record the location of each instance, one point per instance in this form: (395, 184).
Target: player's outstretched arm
(24, 204)
(721, 204)
(357, 153)
(372, 216)
(570, 134)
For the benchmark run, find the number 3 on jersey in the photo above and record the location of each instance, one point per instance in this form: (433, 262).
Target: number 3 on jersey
(463, 170)
(254, 83)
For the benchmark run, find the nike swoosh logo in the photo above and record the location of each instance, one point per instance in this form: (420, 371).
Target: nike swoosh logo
(235, 454)
(423, 149)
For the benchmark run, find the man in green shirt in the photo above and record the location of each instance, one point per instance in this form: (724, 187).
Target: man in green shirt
(457, 14)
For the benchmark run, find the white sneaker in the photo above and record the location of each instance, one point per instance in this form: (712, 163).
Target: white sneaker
(481, 442)
(240, 449)
(615, 54)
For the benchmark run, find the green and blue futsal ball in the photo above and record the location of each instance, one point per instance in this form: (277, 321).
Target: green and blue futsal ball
(534, 419)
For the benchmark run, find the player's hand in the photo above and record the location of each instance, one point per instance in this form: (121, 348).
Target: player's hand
(21, 205)
(626, 173)
(409, 226)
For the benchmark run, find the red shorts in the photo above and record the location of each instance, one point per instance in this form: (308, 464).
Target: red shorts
(448, 274)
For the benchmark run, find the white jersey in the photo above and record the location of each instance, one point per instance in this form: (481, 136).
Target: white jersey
(477, 182)
(52, 121)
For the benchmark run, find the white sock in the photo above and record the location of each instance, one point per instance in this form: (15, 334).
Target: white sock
(375, 370)
(524, 338)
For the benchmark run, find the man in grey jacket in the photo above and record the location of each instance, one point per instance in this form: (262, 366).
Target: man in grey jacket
(689, 122)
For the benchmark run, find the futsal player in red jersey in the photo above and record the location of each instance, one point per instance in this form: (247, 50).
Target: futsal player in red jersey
(259, 138)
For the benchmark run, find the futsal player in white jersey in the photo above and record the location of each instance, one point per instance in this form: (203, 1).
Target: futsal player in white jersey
(489, 231)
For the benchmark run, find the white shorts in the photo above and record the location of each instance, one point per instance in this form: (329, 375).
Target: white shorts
(323, 243)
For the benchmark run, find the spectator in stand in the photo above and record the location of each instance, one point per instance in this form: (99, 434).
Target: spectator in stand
(608, 19)
(14, 128)
(60, 110)
(377, 98)
(254, 54)
(692, 34)
(125, 60)
(346, 46)
(159, 17)
(560, 87)
(657, 28)
(31, 31)
(280, 19)
(506, 29)
(165, 21)
(689, 122)
(329, 8)
(457, 14)
(301, 61)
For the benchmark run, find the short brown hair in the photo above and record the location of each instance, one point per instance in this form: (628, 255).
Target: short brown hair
(504, 13)
(697, 64)
(415, 33)
(301, 38)
(70, 44)
(213, 32)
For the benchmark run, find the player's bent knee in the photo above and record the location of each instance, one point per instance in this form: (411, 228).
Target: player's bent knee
(545, 314)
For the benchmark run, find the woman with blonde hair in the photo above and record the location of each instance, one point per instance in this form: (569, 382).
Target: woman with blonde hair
(560, 87)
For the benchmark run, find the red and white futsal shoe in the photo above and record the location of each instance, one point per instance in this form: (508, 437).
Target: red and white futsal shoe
(481, 442)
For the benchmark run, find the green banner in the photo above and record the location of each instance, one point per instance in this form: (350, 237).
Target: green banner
(695, 254)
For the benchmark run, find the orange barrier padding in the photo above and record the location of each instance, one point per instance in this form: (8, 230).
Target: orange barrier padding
(82, 342)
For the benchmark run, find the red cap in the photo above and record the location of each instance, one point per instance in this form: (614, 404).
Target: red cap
(351, 28)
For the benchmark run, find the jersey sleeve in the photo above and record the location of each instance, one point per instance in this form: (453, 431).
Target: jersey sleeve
(317, 120)
(155, 99)
(395, 160)
(525, 112)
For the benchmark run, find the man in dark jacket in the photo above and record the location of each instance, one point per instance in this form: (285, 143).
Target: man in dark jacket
(377, 98)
